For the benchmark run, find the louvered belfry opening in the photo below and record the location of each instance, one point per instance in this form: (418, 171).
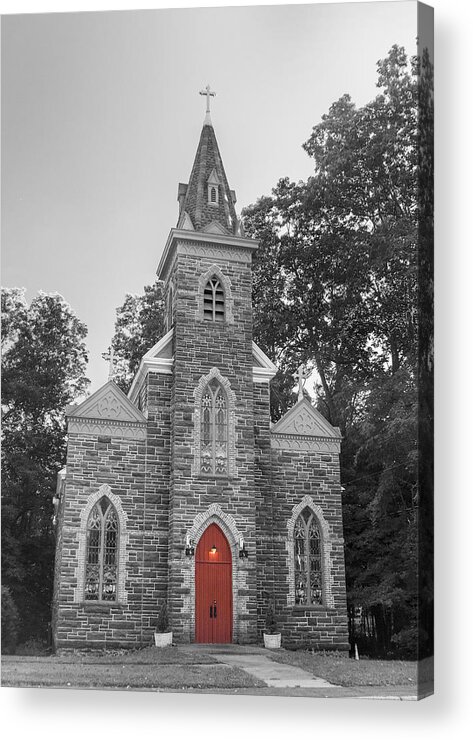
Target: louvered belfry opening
(214, 301)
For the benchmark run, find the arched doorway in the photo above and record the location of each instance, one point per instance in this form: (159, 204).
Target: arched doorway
(213, 587)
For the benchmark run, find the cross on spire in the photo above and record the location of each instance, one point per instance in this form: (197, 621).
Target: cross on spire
(209, 95)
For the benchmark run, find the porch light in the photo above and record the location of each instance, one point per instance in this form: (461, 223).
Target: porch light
(243, 552)
(189, 547)
(213, 550)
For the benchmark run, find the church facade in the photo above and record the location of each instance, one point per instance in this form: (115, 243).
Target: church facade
(183, 491)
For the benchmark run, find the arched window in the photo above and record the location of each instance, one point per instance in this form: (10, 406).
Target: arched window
(214, 430)
(214, 300)
(101, 552)
(307, 559)
(213, 195)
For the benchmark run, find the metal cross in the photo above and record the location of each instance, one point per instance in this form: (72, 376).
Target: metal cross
(111, 367)
(209, 95)
(302, 378)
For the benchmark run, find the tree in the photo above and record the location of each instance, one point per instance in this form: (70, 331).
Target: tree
(336, 288)
(43, 365)
(139, 325)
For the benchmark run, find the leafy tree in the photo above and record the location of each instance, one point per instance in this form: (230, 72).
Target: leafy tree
(139, 325)
(336, 288)
(43, 365)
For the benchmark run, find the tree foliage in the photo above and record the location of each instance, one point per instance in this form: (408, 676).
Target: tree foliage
(336, 288)
(43, 365)
(138, 326)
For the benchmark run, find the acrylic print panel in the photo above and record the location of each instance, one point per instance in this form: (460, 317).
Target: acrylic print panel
(252, 463)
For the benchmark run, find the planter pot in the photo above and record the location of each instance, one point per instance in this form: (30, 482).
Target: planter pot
(272, 641)
(162, 639)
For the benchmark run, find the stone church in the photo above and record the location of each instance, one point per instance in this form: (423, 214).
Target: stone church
(183, 491)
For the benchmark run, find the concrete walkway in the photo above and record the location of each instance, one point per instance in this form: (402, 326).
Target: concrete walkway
(278, 675)
(258, 663)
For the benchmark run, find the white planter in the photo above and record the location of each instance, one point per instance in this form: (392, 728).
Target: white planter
(272, 641)
(162, 639)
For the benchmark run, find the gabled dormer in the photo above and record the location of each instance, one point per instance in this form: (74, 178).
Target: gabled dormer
(213, 184)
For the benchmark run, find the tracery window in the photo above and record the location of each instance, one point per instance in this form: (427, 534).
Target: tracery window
(101, 552)
(307, 559)
(214, 430)
(214, 300)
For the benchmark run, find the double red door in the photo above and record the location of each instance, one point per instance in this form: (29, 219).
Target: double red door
(213, 587)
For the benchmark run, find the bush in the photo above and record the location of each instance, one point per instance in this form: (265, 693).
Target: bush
(163, 619)
(10, 622)
(407, 642)
(271, 626)
(33, 646)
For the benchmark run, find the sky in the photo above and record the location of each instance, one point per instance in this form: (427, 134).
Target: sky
(101, 117)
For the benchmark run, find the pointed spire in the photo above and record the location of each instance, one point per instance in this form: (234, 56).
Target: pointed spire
(207, 201)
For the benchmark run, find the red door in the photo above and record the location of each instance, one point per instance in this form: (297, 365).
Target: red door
(213, 587)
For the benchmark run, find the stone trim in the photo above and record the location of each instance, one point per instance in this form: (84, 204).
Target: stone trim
(226, 521)
(231, 398)
(307, 501)
(264, 369)
(223, 246)
(304, 443)
(81, 536)
(215, 271)
(107, 428)
(214, 514)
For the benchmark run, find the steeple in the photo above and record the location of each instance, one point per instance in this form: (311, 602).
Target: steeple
(207, 203)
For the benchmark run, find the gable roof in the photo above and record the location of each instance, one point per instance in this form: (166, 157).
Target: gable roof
(304, 420)
(158, 359)
(108, 403)
(263, 368)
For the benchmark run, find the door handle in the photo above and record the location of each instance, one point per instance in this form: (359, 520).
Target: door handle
(211, 614)
(215, 609)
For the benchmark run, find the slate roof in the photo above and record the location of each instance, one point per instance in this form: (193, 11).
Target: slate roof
(193, 198)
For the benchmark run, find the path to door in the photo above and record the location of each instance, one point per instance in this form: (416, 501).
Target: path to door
(278, 675)
(257, 662)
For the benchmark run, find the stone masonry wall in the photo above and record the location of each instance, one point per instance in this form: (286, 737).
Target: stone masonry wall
(201, 345)
(138, 474)
(264, 503)
(295, 476)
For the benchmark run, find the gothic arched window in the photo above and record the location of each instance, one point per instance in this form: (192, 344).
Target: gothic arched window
(101, 562)
(214, 300)
(307, 559)
(214, 430)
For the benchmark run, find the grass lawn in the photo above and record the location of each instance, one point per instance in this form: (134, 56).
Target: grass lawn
(163, 656)
(148, 668)
(345, 671)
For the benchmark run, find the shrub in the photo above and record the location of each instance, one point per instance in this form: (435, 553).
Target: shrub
(163, 619)
(271, 626)
(10, 622)
(33, 646)
(407, 642)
